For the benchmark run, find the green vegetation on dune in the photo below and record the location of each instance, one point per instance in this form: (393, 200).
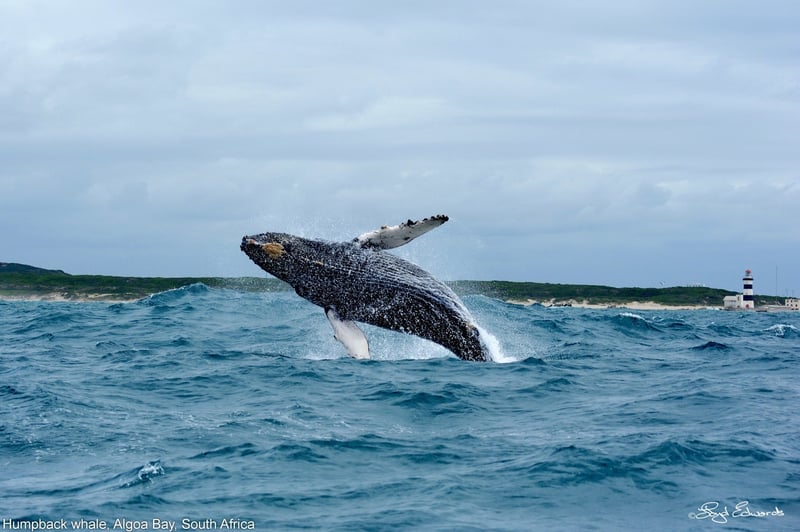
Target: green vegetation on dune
(18, 280)
(593, 294)
(13, 267)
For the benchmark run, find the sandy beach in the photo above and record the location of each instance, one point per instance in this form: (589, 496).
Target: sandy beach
(633, 305)
(57, 297)
(60, 297)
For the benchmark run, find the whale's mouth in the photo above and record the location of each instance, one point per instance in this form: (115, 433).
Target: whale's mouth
(248, 245)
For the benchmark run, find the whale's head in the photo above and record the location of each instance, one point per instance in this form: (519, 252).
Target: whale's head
(275, 253)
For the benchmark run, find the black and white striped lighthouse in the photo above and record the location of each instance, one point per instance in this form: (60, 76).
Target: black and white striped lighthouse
(747, 293)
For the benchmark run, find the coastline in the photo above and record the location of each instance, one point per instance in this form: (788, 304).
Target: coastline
(66, 297)
(631, 305)
(61, 297)
(19, 282)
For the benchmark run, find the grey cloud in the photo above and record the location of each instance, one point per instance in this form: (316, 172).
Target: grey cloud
(552, 134)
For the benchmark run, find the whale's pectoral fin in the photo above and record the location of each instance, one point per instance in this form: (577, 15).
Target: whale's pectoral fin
(349, 334)
(388, 237)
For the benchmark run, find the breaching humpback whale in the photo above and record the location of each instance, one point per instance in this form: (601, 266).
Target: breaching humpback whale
(358, 281)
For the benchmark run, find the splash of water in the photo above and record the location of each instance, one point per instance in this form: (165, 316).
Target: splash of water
(494, 348)
(782, 330)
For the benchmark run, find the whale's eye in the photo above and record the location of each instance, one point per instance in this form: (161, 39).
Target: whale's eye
(273, 249)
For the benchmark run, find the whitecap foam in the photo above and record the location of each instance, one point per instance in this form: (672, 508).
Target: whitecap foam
(150, 470)
(632, 316)
(780, 329)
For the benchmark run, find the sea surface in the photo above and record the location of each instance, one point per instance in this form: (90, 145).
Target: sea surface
(216, 409)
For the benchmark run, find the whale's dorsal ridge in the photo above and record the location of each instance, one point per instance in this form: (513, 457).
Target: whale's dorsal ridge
(388, 237)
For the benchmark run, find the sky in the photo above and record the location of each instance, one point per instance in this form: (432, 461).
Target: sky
(619, 142)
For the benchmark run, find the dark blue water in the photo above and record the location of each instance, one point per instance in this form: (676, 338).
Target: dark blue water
(199, 405)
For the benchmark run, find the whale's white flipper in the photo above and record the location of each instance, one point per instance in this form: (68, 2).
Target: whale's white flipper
(349, 334)
(388, 237)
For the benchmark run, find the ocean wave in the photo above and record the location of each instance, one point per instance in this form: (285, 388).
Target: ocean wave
(142, 475)
(711, 345)
(364, 443)
(634, 324)
(725, 329)
(242, 449)
(296, 452)
(173, 295)
(702, 453)
(441, 399)
(783, 330)
(677, 324)
(206, 402)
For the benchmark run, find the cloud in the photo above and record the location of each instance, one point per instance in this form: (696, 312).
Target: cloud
(385, 113)
(147, 138)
